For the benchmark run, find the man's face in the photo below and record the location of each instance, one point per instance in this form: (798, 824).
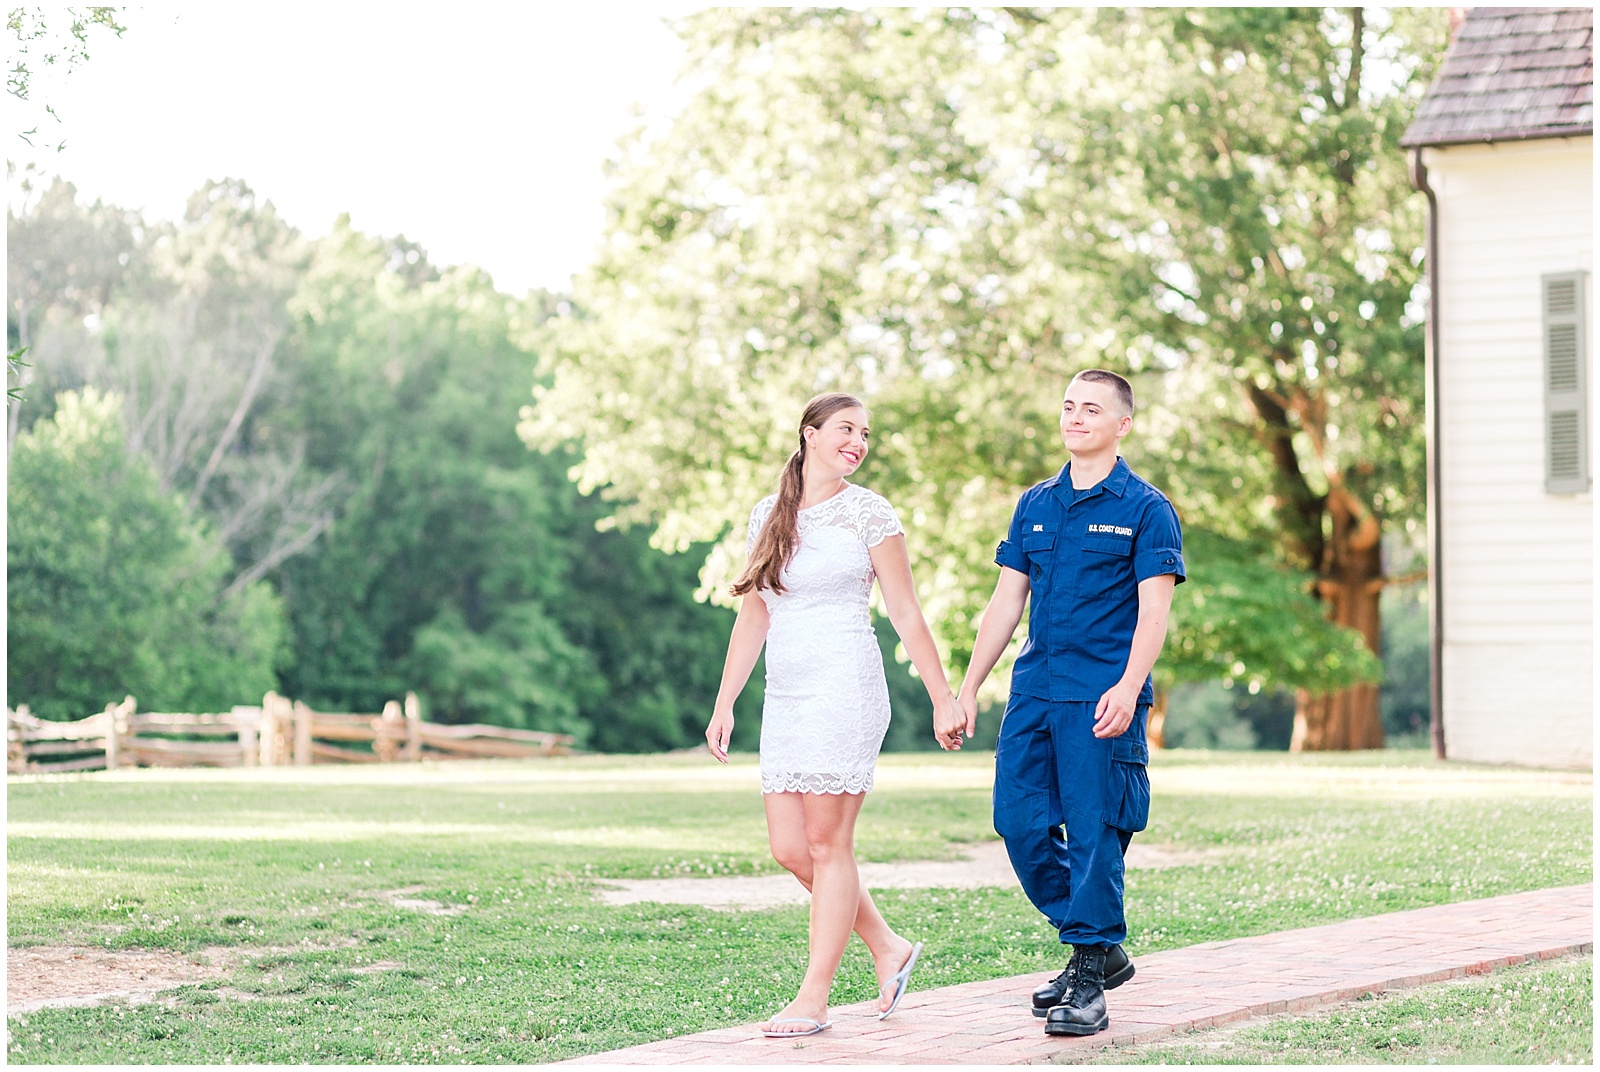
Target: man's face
(1092, 421)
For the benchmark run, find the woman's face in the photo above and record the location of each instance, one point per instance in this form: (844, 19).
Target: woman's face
(840, 445)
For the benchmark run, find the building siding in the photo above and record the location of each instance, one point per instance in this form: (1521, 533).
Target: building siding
(1517, 562)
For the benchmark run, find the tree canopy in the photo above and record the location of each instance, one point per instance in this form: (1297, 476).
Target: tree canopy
(950, 212)
(947, 212)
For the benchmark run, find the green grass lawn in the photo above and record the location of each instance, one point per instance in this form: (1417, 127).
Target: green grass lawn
(1539, 1013)
(290, 867)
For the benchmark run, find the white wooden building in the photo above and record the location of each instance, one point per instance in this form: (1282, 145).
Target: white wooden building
(1503, 144)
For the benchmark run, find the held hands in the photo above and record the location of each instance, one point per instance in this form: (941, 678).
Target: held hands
(718, 733)
(1114, 713)
(951, 717)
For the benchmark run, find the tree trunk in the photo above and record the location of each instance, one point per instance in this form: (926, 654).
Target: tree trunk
(1349, 582)
(1155, 729)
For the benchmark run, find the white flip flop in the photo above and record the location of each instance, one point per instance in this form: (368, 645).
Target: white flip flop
(901, 980)
(815, 1027)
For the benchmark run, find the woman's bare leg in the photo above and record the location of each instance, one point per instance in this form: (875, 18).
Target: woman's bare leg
(807, 830)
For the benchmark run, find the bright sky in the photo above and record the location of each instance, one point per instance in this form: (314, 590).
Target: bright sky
(477, 129)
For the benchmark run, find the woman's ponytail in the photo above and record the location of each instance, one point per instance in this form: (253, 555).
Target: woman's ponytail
(780, 536)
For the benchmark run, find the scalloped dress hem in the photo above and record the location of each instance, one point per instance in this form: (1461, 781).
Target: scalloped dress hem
(820, 784)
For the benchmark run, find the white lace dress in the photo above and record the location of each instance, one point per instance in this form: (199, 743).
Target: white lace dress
(827, 704)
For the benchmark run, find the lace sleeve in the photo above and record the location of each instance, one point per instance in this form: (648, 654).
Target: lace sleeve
(877, 520)
(758, 518)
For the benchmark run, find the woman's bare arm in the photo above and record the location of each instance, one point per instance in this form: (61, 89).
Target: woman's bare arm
(893, 566)
(744, 647)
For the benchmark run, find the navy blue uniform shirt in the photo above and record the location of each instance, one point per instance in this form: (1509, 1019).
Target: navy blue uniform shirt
(1084, 560)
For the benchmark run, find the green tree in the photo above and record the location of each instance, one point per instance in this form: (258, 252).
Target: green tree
(342, 414)
(1270, 256)
(440, 561)
(113, 588)
(460, 563)
(951, 212)
(1245, 619)
(184, 321)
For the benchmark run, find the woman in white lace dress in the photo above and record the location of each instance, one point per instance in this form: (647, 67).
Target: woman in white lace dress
(815, 548)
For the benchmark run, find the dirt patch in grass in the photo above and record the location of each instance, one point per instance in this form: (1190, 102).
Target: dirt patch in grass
(377, 966)
(401, 899)
(983, 865)
(45, 976)
(61, 976)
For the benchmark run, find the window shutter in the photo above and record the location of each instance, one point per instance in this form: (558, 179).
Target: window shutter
(1566, 383)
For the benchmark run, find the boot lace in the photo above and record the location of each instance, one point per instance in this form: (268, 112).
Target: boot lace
(1084, 987)
(1083, 992)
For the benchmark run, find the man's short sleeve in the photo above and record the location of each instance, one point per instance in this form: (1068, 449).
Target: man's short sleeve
(1009, 553)
(1159, 545)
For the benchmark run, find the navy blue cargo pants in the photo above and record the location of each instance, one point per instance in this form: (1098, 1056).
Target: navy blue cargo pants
(1053, 777)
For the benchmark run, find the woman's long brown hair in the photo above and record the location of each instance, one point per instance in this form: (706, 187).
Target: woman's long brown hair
(780, 535)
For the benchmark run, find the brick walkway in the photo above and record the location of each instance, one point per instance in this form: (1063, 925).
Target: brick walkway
(1195, 987)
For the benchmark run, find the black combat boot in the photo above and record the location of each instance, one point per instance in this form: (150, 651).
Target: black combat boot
(1119, 969)
(1084, 1010)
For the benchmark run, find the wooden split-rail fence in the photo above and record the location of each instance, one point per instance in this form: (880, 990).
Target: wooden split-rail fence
(279, 733)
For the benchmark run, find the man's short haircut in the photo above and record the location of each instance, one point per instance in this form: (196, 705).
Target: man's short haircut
(1123, 388)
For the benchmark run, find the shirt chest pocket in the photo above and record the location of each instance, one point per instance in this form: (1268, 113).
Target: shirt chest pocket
(1105, 563)
(1120, 546)
(1039, 547)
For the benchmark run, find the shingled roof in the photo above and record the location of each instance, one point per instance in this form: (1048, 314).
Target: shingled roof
(1511, 74)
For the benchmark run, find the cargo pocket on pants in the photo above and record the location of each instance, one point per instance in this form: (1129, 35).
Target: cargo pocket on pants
(1130, 780)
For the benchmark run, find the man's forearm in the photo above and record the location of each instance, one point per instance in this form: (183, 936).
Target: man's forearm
(1149, 636)
(994, 633)
(1149, 632)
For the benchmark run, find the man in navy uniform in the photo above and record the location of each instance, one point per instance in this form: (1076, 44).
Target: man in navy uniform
(1099, 551)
